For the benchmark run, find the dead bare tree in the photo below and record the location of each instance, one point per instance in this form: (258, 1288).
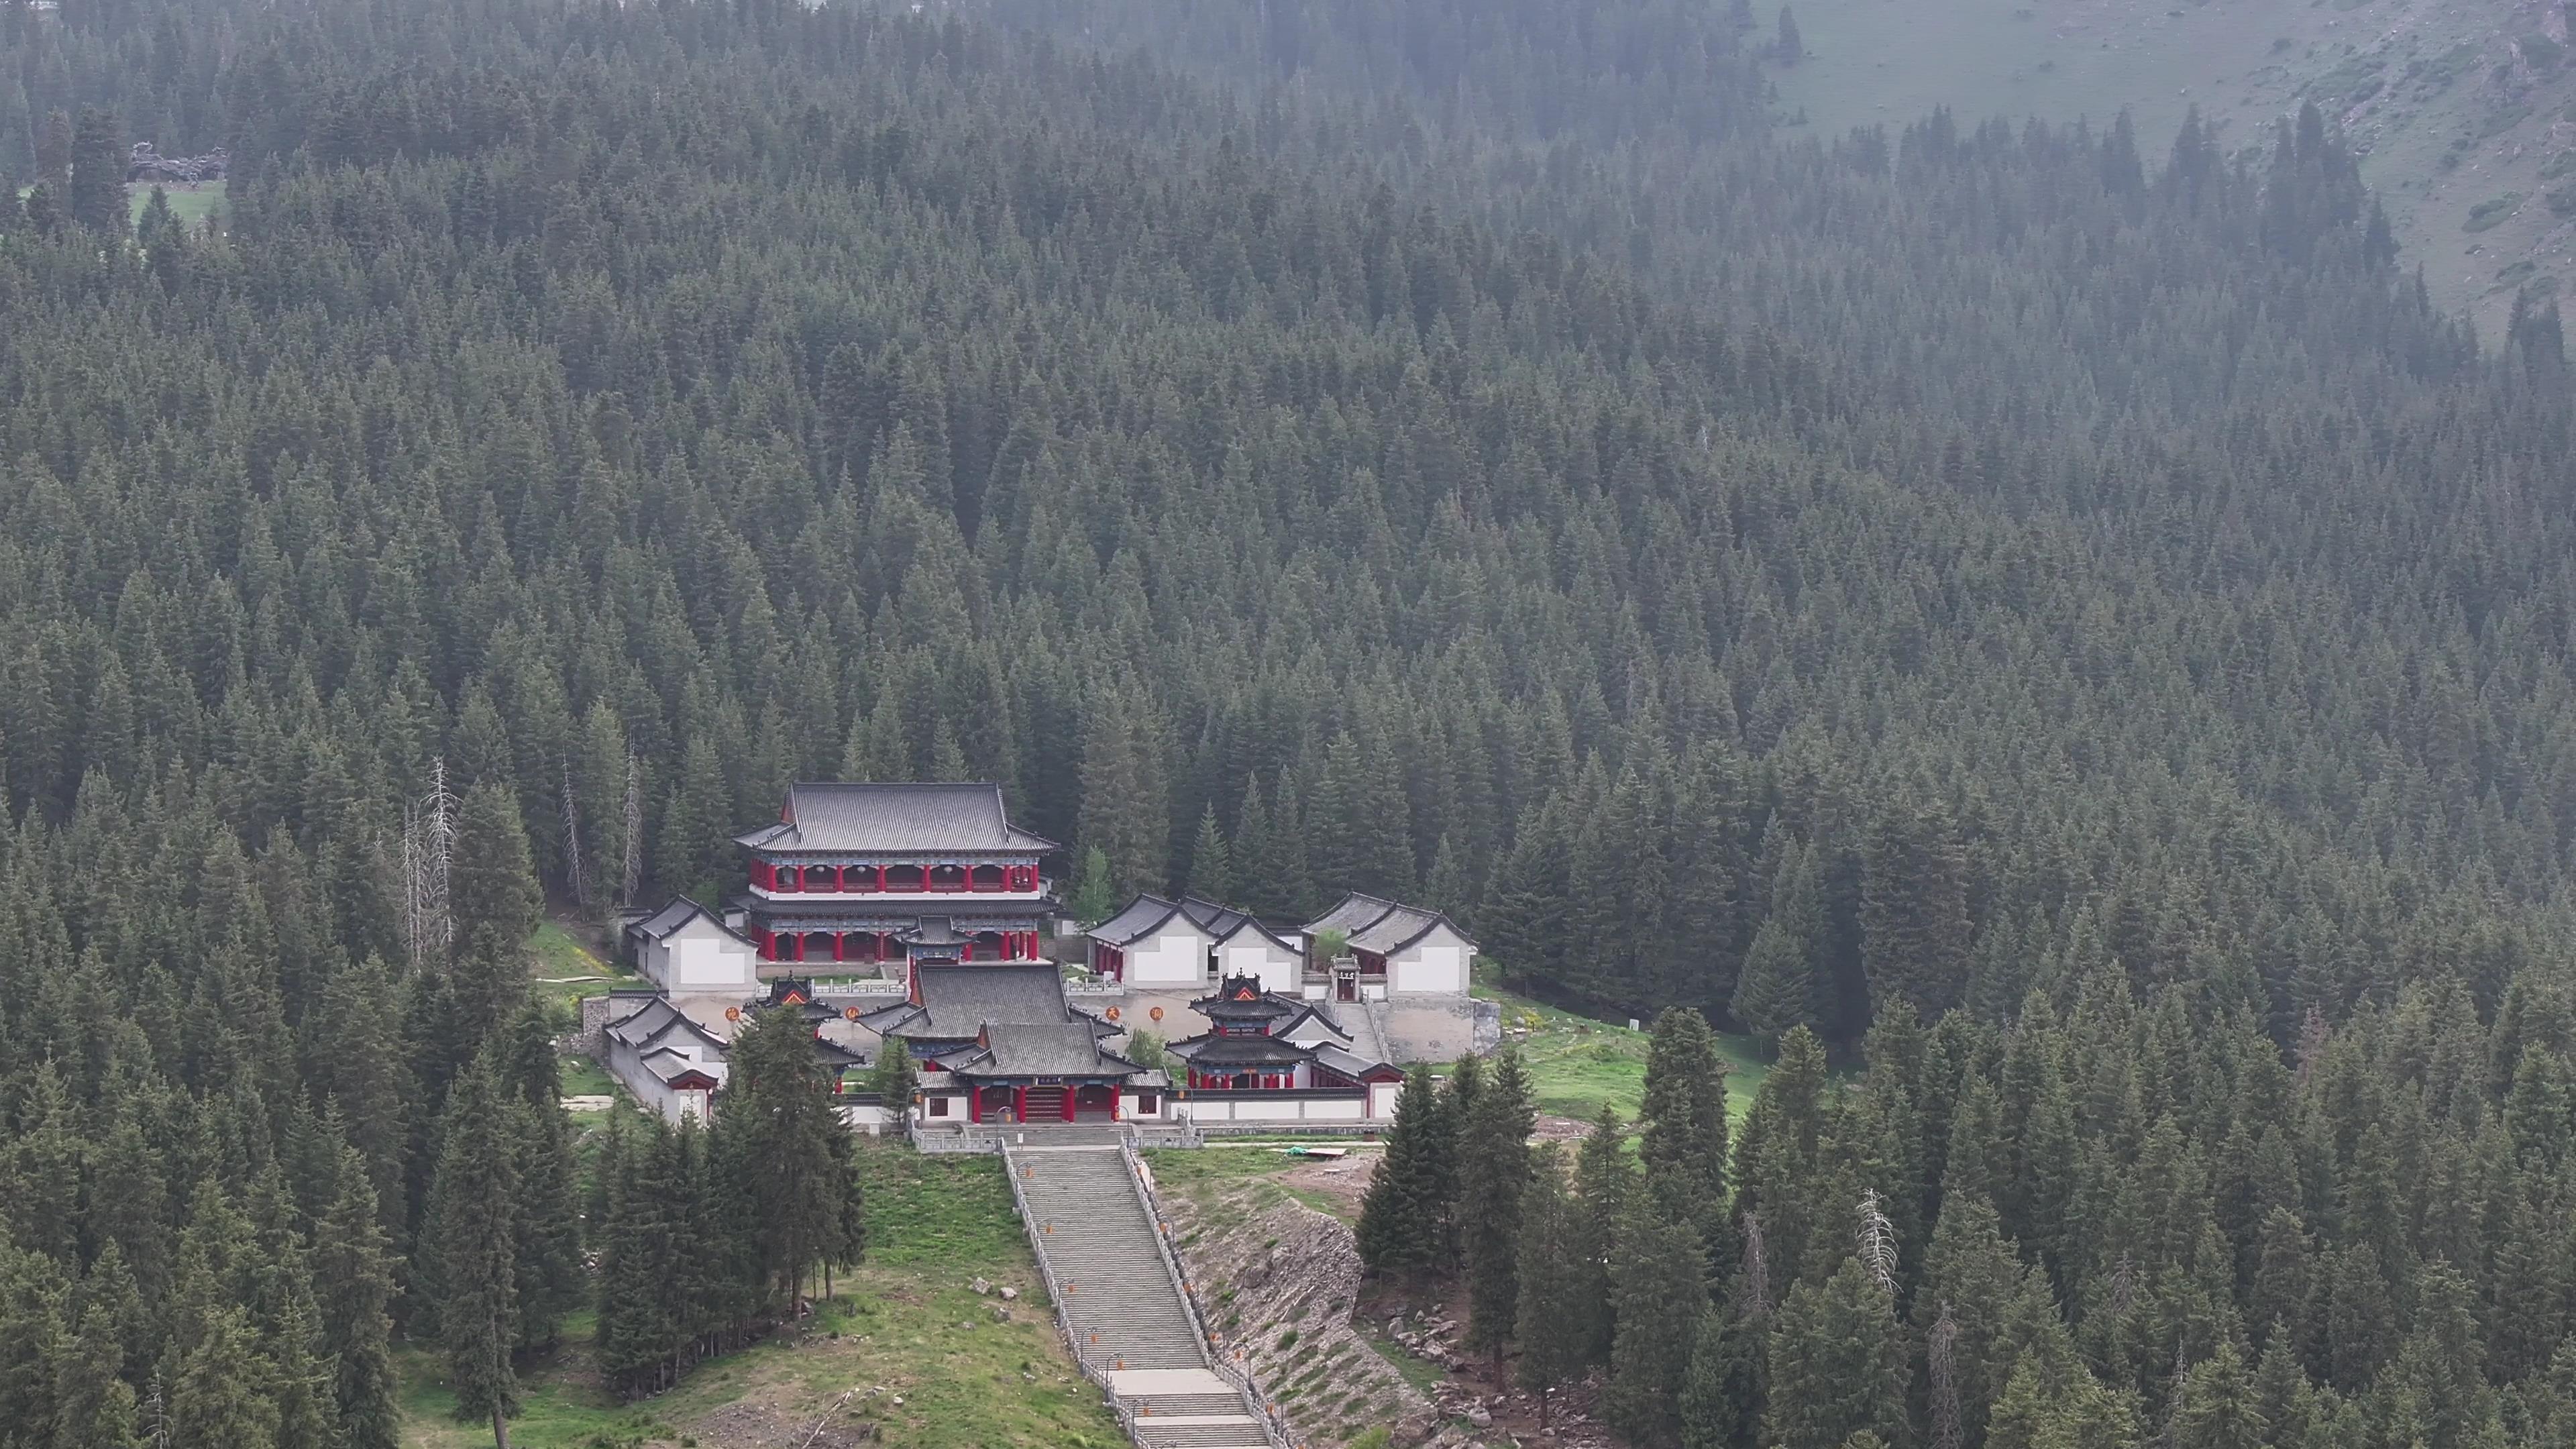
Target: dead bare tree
(428, 849)
(631, 878)
(1757, 1268)
(1941, 1357)
(1877, 1241)
(580, 880)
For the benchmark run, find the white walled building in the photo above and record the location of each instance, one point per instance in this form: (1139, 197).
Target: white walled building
(687, 950)
(1397, 950)
(1157, 942)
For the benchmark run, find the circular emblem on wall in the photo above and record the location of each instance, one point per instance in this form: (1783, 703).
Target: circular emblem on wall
(1156, 1013)
(733, 1013)
(1112, 1013)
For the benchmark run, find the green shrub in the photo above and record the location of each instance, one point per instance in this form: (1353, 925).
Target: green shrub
(2489, 212)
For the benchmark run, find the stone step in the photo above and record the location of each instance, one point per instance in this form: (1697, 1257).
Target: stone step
(1100, 1243)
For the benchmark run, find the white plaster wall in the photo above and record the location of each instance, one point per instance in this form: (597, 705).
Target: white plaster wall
(1178, 956)
(1436, 963)
(1337, 1111)
(703, 957)
(1278, 970)
(1381, 1098)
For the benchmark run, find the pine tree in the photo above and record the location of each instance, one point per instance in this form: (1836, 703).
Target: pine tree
(778, 1135)
(353, 1281)
(1658, 1295)
(1605, 1185)
(2218, 1408)
(893, 1077)
(1721, 1403)
(1403, 1227)
(1684, 1130)
(1779, 987)
(1836, 1366)
(96, 198)
(1211, 867)
(473, 1226)
(1494, 1169)
(1551, 1319)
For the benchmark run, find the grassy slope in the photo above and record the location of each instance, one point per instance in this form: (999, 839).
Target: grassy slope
(2451, 107)
(908, 1323)
(192, 205)
(1578, 1064)
(567, 971)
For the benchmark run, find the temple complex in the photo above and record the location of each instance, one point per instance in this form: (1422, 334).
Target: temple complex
(999, 1042)
(879, 877)
(1262, 1041)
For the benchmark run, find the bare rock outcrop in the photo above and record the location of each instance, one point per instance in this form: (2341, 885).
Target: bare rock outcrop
(1276, 1281)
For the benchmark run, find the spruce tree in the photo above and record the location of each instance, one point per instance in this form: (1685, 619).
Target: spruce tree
(1403, 1217)
(1605, 1184)
(1494, 1170)
(1721, 1403)
(2218, 1407)
(97, 196)
(1779, 987)
(1211, 864)
(1836, 1364)
(473, 1224)
(353, 1282)
(1683, 1141)
(1551, 1320)
(777, 1138)
(1658, 1294)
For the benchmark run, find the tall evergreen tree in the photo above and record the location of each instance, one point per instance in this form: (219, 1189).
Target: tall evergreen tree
(1658, 1294)
(1403, 1227)
(1494, 1170)
(473, 1224)
(1551, 1320)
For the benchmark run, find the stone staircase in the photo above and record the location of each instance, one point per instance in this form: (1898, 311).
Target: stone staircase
(1118, 1302)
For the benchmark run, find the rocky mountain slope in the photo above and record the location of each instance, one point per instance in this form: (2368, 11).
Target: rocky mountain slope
(2461, 108)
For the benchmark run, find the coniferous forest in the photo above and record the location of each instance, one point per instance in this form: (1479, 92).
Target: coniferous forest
(2045, 623)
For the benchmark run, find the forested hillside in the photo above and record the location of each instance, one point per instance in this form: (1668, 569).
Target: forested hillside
(1450, 450)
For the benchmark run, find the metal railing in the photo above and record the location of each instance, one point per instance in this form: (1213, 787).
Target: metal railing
(1274, 1429)
(1084, 1356)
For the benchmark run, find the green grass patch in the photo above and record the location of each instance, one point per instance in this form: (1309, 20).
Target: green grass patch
(193, 206)
(1183, 1168)
(1577, 1064)
(905, 1320)
(582, 1077)
(564, 970)
(1422, 1373)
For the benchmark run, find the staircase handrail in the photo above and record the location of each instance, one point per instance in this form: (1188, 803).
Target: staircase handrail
(1083, 1357)
(1273, 1428)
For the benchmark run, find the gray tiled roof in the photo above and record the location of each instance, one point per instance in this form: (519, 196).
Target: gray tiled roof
(1147, 912)
(1378, 925)
(1240, 1051)
(959, 1001)
(1349, 1064)
(1140, 916)
(1037, 1051)
(853, 816)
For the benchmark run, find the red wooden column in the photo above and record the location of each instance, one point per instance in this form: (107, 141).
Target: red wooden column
(840, 945)
(1069, 1094)
(1019, 1104)
(974, 1104)
(840, 879)
(881, 879)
